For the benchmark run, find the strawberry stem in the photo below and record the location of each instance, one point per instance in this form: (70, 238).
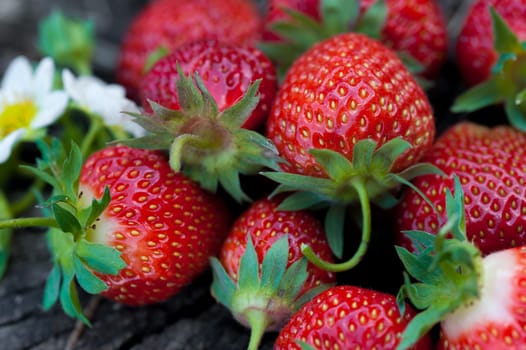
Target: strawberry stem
(28, 222)
(358, 184)
(93, 131)
(258, 321)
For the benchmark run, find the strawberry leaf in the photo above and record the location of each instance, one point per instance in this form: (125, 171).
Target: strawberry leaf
(66, 220)
(248, 268)
(293, 279)
(486, 94)
(372, 21)
(52, 288)
(97, 207)
(334, 222)
(223, 288)
(516, 115)
(5, 235)
(71, 171)
(337, 15)
(235, 115)
(189, 97)
(100, 257)
(69, 298)
(274, 264)
(504, 39)
(86, 279)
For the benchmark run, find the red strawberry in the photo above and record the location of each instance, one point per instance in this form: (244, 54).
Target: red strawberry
(491, 56)
(348, 317)
(162, 223)
(168, 24)
(261, 276)
(347, 116)
(416, 28)
(475, 51)
(226, 71)
(479, 302)
(491, 164)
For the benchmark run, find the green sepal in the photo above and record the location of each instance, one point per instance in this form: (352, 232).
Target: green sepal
(206, 144)
(293, 279)
(516, 115)
(100, 257)
(249, 268)
(338, 15)
(87, 279)
(70, 173)
(304, 346)
(154, 57)
(483, 95)
(504, 39)
(70, 42)
(52, 288)
(88, 215)
(371, 23)
(223, 287)
(274, 265)
(69, 298)
(446, 271)
(66, 220)
(334, 220)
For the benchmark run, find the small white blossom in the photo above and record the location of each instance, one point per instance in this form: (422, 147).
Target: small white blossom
(27, 102)
(107, 101)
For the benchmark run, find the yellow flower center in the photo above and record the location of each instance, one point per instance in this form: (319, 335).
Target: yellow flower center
(16, 116)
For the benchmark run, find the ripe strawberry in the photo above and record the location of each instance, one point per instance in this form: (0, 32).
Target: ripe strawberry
(163, 224)
(167, 24)
(491, 164)
(226, 70)
(348, 317)
(347, 116)
(262, 276)
(475, 46)
(414, 28)
(478, 301)
(490, 54)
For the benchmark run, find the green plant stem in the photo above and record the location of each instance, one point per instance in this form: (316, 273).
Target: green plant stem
(93, 131)
(27, 199)
(258, 324)
(28, 222)
(307, 251)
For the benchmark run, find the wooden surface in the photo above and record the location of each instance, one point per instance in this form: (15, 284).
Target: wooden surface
(190, 320)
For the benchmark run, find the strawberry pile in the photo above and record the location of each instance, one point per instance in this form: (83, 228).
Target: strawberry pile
(298, 155)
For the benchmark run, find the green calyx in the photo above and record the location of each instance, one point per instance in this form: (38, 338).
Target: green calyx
(443, 274)
(68, 41)
(206, 144)
(263, 299)
(365, 179)
(74, 257)
(507, 84)
(5, 235)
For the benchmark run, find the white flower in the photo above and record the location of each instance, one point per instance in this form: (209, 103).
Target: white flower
(27, 102)
(108, 101)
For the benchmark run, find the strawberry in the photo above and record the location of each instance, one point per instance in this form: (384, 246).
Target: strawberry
(475, 52)
(478, 301)
(261, 275)
(164, 225)
(351, 122)
(123, 225)
(166, 24)
(348, 317)
(490, 163)
(414, 28)
(206, 143)
(226, 71)
(491, 56)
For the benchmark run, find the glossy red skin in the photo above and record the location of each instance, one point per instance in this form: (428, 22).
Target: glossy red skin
(171, 23)
(491, 164)
(163, 224)
(417, 27)
(343, 316)
(343, 90)
(474, 52)
(226, 70)
(266, 225)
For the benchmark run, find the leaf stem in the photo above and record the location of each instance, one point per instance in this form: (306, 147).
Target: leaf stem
(95, 126)
(28, 222)
(27, 199)
(258, 324)
(359, 185)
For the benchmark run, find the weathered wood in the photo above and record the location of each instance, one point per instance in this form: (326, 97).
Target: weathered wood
(190, 320)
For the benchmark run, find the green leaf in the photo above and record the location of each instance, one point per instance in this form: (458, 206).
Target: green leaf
(294, 279)
(334, 222)
(236, 115)
(304, 346)
(249, 268)
(100, 257)
(420, 325)
(66, 220)
(455, 208)
(301, 182)
(52, 288)
(51, 180)
(338, 15)
(5, 235)
(334, 163)
(190, 98)
(363, 153)
(86, 279)
(274, 264)
(229, 180)
(485, 94)
(386, 154)
(421, 240)
(71, 171)
(223, 288)
(417, 266)
(516, 116)
(505, 39)
(209, 103)
(302, 200)
(97, 207)
(69, 298)
(154, 57)
(372, 22)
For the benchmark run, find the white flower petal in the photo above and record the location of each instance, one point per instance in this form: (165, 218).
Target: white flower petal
(7, 144)
(17, 76)
(43, 78)
(50, 108)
